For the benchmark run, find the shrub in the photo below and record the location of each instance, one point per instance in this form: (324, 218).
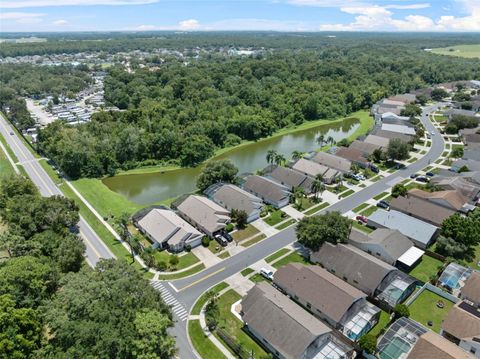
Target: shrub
(161, 266)
(174, 260)
(368, 343)
(188, 248)
(229, 227)
(401, 310)
(205, 241)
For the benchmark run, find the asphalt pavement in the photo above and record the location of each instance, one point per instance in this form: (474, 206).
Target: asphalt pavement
(189, 289)
(95, 248)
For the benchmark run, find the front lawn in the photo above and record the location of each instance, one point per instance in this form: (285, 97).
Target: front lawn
(204, 297)
(424, 309)
(291, 258)
(201, 343)
(379, 196)
(316, 209)
(426, 268)
(275, 217)
(369, 211)
(257, 278)
(285, 224)
(247, 232)
(362, 227)
(184, 261)
(191, 271)
(277, 254)
(304, 203)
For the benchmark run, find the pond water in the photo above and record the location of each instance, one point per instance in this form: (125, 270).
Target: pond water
(149, 188)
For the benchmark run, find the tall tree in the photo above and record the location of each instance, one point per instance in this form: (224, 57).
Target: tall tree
(217, 171)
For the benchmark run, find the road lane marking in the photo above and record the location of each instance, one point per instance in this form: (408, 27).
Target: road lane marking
(202, 279)
(173, 287)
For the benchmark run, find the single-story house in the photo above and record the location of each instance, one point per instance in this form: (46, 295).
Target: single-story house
(329, 298)
(454, 111)
(451, 199)
(403, 129)
(389, 245)
(391, 135)
(423, 210)
(268, 190)
(313, 169)
(471, 289)
(421, 233)
(387, 108)
(465, 183)
(397, 122)
(290, 178)
(353, 155)
(471, 140)
(365, 147)
(471, 165)
(388, 101)
(233, 197)
(392, 116)
(167, 230)
(472, 154)
(371, 275)
(462, 327)
(404, 98)
(378, 141)
(337, 163)
(286, 329)
(204, 214)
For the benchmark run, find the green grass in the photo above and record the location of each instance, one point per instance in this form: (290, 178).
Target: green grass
(275, 217)
(233, 326)
(362, 227)
(224, 255)
(317, 208)
(204, 297)
(411, 160)
(214, 247)
(204, 347)
(245, 233)
(277, 254)
(426, 268)
(6, 168)
(369, 211)
(346, 193)
(376, 178)
(366, 123)
(105, 201)
(476, 260)
(424, 309)
(186, 273)
(257, 278)
(285, 224)
(306, 203)
(291, 258)
(247, 271)
(382, 323)
(254, 240)
(9, 150)
(467, 51)
(184, 261)
(379, 196)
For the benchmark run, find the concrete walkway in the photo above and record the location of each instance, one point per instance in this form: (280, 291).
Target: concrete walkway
(206, 256)
(264, 228)
(212, 338)
(292, 212)
(240, 283)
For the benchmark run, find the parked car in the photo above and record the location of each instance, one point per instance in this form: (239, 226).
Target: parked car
(383, 204)
(432, 133)
(11, 133)
(374, 169)
(221, 240)
(400, 166)
(422, 179)
(227, 236)
(361, 219)
(266, 273)
(357, 177)
(430, 174)
(414, 175)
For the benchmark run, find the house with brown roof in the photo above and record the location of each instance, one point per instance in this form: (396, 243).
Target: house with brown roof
(378, 141)
(268, 190)
(288, 330)
(467, 184)
(366, 148)
(424, 210)
(462, 327)
(404, 98)
(354, 156)
(432, 345)
(313, 169)
(471, 289)
(391, 135)
(204, 214)
(451, 199)
(329, 298)
(371, 275)
(335, 162)
(290, 178)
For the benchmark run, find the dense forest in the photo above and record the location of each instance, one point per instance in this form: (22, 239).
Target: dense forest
(184, 111)
(52, 305)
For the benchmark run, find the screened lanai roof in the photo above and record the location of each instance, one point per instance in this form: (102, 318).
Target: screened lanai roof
(454, 276)
(399, 339)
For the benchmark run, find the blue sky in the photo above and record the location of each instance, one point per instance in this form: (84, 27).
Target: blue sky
(278, 15)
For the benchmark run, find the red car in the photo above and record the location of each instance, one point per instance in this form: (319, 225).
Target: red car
(362, 219)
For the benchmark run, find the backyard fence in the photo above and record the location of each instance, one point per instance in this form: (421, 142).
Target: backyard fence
(435, 290)
(234, 345)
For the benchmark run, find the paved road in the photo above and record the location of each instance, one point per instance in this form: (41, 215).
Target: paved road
(189, 289)
(96, 249)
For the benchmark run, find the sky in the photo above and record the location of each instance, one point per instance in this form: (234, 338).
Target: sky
(211, 15)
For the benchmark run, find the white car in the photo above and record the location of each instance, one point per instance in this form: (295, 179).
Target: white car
(266, 273)
(432, 133)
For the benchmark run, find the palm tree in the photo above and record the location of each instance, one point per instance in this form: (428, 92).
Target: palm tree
(279, 159)
(321, 140)
(318, 186)
(330, 140)
(296, 155)
(298, 194)
(271, 155)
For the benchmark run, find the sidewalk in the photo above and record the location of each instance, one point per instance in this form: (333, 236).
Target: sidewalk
(205, 256)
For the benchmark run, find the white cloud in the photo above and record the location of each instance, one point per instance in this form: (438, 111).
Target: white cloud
(17, 4)
(60, 22)
(21, 17)
(188, 25)
(408, 7)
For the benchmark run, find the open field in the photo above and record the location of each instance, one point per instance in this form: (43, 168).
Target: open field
(468, 51)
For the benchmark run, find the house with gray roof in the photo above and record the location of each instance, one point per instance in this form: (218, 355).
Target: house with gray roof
(167, 230)
(389, 245)
(371, 275)
(290, 178)
(451, 199)
(391, 135)
(365, 147)
(233, 197)
(286, 329)
(268, 190)
(470, 165)
(403, 129)
(335, 162)
(472, 154)
(329, 298)
(454, 111)
(313, 169)
(421, 233)
(380, 141)
(404, 98)
(466, 183)
(204, 214)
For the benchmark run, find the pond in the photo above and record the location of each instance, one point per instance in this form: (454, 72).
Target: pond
(147, 188)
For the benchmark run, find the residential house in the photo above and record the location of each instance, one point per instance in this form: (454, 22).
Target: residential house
(421, 233)
(337, 163)
(329, 298)
(371, 275)
(366, 148)
(232, 197)
(167, 230)
(268, 190)
(403, 129)
(389, 245)
(397, 122)
(454, 277)
(312, 169)
(470, 291)
(472, 154)
(405, 98)
(462, 327)
(454, 111)
(426, 211)
(391, 135)
(354, 156)
(388, 101)
(290, 178)
(468, 184)
(471, 140)
(204, 214)
(391, 116)
(286, 329)
(451, 199)
(378, 141)
(465, 166)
